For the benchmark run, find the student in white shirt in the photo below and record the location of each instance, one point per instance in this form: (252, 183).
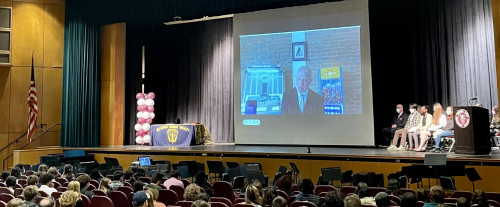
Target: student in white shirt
(47, 185)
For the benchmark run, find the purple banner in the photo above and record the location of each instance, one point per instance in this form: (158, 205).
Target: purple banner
(172, 135)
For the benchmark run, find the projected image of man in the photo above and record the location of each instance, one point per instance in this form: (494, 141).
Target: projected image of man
(301, 99)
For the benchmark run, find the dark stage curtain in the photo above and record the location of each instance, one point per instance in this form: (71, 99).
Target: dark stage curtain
(190, 68)
(430, 51)
(81, 81)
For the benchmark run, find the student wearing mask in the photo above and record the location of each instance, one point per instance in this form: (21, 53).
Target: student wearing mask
(411, 125)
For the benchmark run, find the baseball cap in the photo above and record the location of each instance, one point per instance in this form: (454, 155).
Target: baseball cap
(139, 198)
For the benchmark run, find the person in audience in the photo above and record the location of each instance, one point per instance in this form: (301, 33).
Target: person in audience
(479, 199)
(46, 183)
(352, 201)
(138, 186)
(32, 180)
(30, 195)
(155, 195)
(11, 182)
(175, 179)
(68, 172)
(438, 122)
(42, 169)
(201, 180)
(422, 196)
(191, 192)
(409, 200)
(16, 202)
(364, 194)
(393, 187)
(279, 202)
(200, 203)
(47, 202)
(462, 202)
(54, 172)
(71, 198)
(95, 175)
(252, 196)
(128, 177)
(258, 185)
(21, 168)
(155, 181)
(333, 199)
(447, 130)
(74, 186)
(16, 172)
(437, 196)
(5, 174)
(398, 122)
(117, 180)
(307, 192)
(150, 198)
(140, 199)
(382, 199)
(269, 196)
(203, 196)
(84, 181)
(425, 123)
(105, 185)
(410, 126)
(284, 183)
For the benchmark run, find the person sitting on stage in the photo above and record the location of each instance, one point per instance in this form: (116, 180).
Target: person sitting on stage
(438, 123)
(252, 196)
(333, 199)
(104, 186)
(363, 191)
(398, 122)
(117, 180)
(410, 126)
(495, 118)
(425, 123)
(155, 181)
(382, 199)
(307, 192)
(175, 179)
(47, 185)
(409, 200)
(352, 201)
(437, 196)
(447, 130)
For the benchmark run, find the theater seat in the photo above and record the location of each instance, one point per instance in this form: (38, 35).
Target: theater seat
(167, 197)
(119, 198)
(102, 201)
(221, 200)
(302, 203)
(218, 204)
(224, 189)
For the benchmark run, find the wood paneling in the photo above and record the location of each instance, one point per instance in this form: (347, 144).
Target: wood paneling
(20, 80)
(58, 2)
(6, 3)
(53, 33)
(27, 28)
(52, 96)
(495, 4)
(31, 1)
(33, 156)
(51, 138)
(4, 99)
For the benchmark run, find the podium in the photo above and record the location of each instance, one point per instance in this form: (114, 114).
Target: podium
(471, 130)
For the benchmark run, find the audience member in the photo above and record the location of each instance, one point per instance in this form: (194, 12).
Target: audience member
(84, 181)
(284, 183)
(16, 172)
(155, 196)
(279, 202)
(201, 180)
(393, 187)
(139, 199)
(175, 179)
(203, 196)
(95, 175)
(5, 174)
(422, 195)
(53, 171)
(307, 192)
(252, 196)
(155, 181)
(10, 182)
(74, 186)
(16, 202)
(352, 201)
(138, 186)
(256, 183)
(68, 172)
(363, 192)
(479, 199)
(269, 195)
(128, 177)
(409, 200)
(47, 202)
(410, 126)
(150, 198)
(437, 196)
(398, 122)
(21, 168)
(438, 122)
(42, 168)
(462, 202)
(30, 195)
(70, 199)
(32, 180)
(334, 199)
(191, 192)
(382, 199)
(117, 180)
(200, 203)
(46, 183)
(104, 186)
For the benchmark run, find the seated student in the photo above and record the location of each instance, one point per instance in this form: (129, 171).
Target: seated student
(382, 199)
(5, 174)
(437, 196)
(363, 191)
(281, 202)
(175, 179)
(410, 126)
(200, 203)
(191, 192)
(47, 202)
(307, 192)
(68, 172)
(284, 183)
(425, 123)
(201, 180)
(422, 196)
(409, 200)
(46, 181)
(333, 199)
(128, 177)
(95, 175)
(10, 182)
(269, 195)
(495, 118)
(138, 186)
(447, 130)
(154, 197)
(438, 122)
(71, 198)
(203, 196)
(30, 195)
(398, 122)
(462, 202)
(15, 202)
(42, 169)
(105, 185)
(32, 180)
(117, 180)
(393, 187)
(16, 172)
(155, 181)
(84, 181)
(479, 199)
(74, 186)
(352, 201)
(252, 196)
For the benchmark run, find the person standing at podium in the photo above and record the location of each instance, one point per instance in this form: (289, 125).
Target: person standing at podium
(447, 130)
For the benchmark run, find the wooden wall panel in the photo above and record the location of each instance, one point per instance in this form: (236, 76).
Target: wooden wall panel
(6, 3)
(4, 99)
(31, 1)
(495, 4)
(20, 80)
(27, 29)
(52, 96)
(53, 32)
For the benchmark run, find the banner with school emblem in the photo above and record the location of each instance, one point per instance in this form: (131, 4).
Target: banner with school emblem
(172, 135)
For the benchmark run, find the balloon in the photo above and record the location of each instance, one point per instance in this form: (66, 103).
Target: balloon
(139, 140)
(151, 108)
(151, 115)
(141, 102)
(139, 96)
(149, 102)
(146, 127)
(146, 132)
(145, 115)
(139, 133)
(149, 121)
(151, 95)
(146, 139)
(139, 114)
(141, 121)
(143, 108)
(139, 108)
(137, 127)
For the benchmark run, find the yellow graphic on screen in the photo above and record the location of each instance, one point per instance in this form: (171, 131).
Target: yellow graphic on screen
(330, 73)
(172, 135)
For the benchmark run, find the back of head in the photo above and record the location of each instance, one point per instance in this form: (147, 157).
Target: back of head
(74, 186)
(46, 202)
(30, 192)
(284, 182)
(83, 180)
(156, 178)
(68, 169)
(393, 187)
(200, 203)
(139, 198)
(32, 180)
(150, 197)
(94, 174)
(306, 186)
(269, 196)
(46, 178)
(279, 202)
(191, 192)
(16, 172)
(117, 175)
(138, 186)
(252, 195)
(462, 202)
(256, 183)
(479, 197)
(69, 198)
(409, 200)
(53, 171)
(422, 195)
(10, 181)
(362, 190)
(15, 202)
(334, 199)
(382, 200)
(352, 201)
(127, 175)
(5, 174)
(104, 183)
(201, 177)
(175, 174)
(437, 194)
(203, 196)
(42, 168)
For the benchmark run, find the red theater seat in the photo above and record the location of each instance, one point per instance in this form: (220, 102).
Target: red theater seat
(102, 201)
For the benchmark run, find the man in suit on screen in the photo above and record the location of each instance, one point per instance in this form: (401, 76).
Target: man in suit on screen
(301, 99)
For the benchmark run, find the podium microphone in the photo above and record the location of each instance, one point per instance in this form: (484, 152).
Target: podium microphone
(473, 99)
(308, 150)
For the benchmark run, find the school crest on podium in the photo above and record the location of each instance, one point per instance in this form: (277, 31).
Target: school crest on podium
(172, 135)
(462, 118)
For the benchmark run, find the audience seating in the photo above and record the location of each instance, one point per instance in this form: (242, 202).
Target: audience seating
(466, 194)
(95, 183)
(450, 200)
(18, 191)
(302, 203)
(5, 190)
(62, 189)
(184, 203)
(65, 184)
(98, 200)
(179, 190)
(221, 200)
(119, 198)
(3, 204)
(91, 187)
(61, 180)
(294, 188)
(20, 197)
(56, 195)
(43, 193)
(451, 204)
(129, 185)
(39, 199)
(185, 182)
(282, 194)
(347, 189)
(493, 196)
(22, 182)
(395, 199)
(6, 197)
(145, 179)
(493, 203)
(167, 197)
(130, 196)
(375, 190)
(125, 189)
(224, 189)
(290, 200)
(56, 184)
(243, 205)
(323, 188)
(218, 204)
(99, 192)
(405, 190)
(2, 184)
(86, 201)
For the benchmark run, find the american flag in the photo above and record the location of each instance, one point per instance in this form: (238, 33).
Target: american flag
(32, 103)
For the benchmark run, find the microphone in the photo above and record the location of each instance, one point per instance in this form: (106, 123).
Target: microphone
(308, 150)
(473, 99)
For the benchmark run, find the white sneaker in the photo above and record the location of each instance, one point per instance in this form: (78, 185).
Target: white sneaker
(392, 147)
(400, 148)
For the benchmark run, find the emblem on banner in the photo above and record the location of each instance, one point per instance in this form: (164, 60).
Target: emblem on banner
(462, 118)
(172, 135)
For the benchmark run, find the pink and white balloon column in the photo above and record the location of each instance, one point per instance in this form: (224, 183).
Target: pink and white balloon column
(145, 116)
